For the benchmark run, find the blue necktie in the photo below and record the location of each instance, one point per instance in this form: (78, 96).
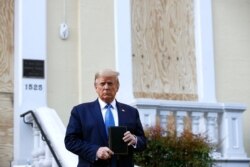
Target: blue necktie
(109, 119)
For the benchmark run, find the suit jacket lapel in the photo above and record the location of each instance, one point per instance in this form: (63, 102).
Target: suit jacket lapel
(121, 113)
(100, 122)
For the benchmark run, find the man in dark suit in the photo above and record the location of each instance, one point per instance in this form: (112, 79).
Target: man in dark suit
(86, 134)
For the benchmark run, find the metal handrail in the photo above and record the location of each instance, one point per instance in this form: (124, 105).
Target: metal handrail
(44, 137)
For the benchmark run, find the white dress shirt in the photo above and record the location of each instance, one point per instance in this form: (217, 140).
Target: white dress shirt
(113, 110)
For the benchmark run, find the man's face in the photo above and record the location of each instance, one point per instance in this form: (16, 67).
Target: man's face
(106, 88)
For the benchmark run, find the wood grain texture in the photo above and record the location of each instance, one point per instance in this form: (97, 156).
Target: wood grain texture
(163, 47)
(6, 81)
(6, 45)
(6, 129)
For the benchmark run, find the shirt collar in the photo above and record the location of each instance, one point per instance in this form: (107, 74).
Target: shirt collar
(103, 104)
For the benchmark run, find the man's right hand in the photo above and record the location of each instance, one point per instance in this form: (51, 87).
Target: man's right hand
(104, 153)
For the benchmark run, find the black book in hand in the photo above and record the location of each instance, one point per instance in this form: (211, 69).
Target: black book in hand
(116, 144)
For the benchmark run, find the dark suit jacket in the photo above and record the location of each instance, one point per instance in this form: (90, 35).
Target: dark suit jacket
(86, 133)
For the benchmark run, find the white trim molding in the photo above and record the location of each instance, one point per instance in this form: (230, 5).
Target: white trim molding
(203, 42)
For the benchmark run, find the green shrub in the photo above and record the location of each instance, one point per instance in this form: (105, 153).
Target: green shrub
(172, 150)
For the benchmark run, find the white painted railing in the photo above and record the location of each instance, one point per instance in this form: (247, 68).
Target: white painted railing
(222, 123)
(48, 139)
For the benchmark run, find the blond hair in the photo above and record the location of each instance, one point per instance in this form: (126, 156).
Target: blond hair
(107, 73)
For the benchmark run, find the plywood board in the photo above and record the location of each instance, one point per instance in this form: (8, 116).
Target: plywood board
(163, 49)
(6, 81)
(6, 45)
(6, 129)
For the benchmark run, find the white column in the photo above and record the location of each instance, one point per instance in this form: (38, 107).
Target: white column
(180, 116)
(147, 116)
(204, 50)
(35, 151)
(212, 127)
(232, 135)
(164, 116)
(29, 70)
(123, 49)
(41, 151)
(196, 116)
(48, 157)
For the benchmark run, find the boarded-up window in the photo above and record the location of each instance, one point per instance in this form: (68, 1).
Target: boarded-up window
(163, 47)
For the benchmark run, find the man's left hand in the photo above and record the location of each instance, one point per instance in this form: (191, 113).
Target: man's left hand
(129, 138)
